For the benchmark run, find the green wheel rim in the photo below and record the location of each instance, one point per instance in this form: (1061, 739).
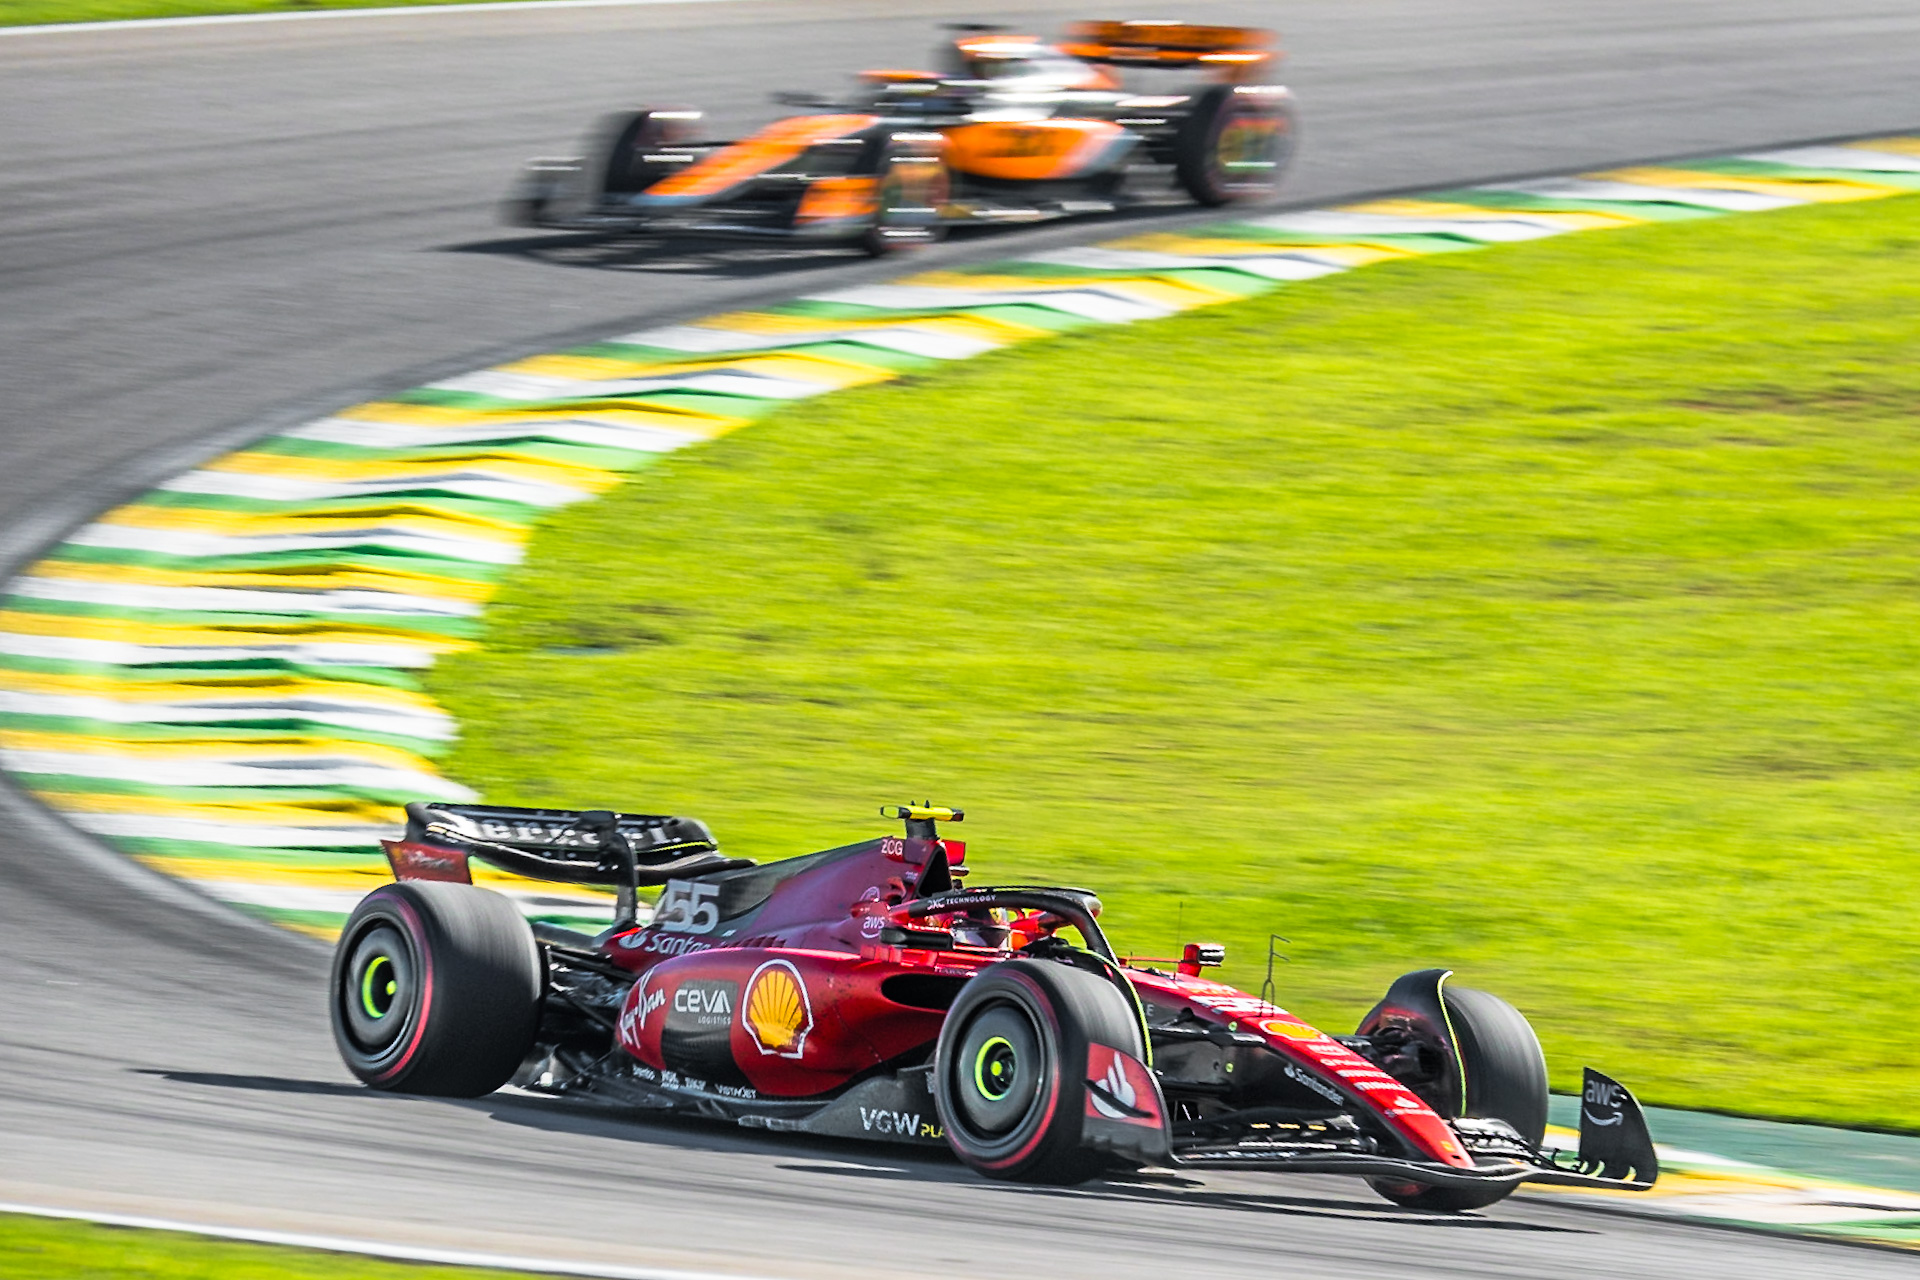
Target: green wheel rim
(993, 1068)
(376, 993)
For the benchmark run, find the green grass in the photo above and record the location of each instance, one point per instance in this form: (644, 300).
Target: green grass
(23, 13)
(1552, 613)
(48, 1249)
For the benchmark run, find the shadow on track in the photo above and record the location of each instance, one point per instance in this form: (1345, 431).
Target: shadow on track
(634, 253)
(848, 1158)
(737, 259)
(264, 1084)
(1161, 1187)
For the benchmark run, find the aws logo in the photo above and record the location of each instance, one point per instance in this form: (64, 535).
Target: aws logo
(1604, 1102)
(776, 1010)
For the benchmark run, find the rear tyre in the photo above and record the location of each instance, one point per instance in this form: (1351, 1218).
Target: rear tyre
(1506, 1079)
(436, 989)
(1234, 146)
(1010, 1069)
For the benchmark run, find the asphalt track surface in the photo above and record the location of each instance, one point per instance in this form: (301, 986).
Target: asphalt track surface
(209, 228)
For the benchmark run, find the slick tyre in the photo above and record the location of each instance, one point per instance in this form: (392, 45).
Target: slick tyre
(1234, 146)
(1505, 1075)
(1010, 1069)
(911, 186)
(436, 989)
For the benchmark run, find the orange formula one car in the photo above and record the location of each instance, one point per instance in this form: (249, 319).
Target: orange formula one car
(1011, 129)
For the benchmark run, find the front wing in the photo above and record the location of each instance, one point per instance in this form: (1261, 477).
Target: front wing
(1615, 1149)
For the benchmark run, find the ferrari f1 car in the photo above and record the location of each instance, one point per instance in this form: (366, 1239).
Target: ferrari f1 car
(868, 992)
(1010, 129)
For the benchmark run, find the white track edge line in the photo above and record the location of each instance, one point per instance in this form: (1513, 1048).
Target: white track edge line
(402, 11)
(375, 1248)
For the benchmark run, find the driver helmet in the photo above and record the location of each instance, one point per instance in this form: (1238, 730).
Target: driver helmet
(981, 927)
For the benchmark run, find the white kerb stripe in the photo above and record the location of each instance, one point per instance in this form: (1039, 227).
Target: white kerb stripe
(122, 653)
(245, 835)
(432, 727)
(184, 542)
(1269, 266)
(1332, 222)
(1863, 159)
(1092, 303)
(475, 484)
(1644, 193)
(134, 595)
(598, 434)
(192, 772)
(528, 386)
(700, 340)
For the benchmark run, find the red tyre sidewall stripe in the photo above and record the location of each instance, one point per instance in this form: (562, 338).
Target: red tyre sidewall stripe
(424, 966)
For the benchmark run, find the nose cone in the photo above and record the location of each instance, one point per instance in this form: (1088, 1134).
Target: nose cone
(725, 170)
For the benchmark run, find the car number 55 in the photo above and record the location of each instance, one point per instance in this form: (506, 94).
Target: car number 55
(688, 907)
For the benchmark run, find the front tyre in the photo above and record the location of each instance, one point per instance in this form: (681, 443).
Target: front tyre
(630, 147)
(910, 189)
(436, 989)
(1505, 1078)
(1235, 145)
(1010, 1069)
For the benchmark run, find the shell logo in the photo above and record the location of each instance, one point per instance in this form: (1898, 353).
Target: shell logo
(1291, 1030)
(776, 1010)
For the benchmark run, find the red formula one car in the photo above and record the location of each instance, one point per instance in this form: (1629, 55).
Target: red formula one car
(1009, 129)
(866, 992)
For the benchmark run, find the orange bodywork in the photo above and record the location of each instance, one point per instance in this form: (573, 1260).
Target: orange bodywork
(768, 149)
(833, 198)
(1029, 150)
(1234, 52)
(891, 75)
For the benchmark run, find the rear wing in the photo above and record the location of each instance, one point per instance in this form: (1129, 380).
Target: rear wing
(573, 846)
(1232, 50)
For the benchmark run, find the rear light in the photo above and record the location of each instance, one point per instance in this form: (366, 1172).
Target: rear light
(1201, 955)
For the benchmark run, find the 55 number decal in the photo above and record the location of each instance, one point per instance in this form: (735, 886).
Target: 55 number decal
(688, 907)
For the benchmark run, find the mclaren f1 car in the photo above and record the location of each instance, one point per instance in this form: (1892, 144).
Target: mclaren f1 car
(1011, 128)
(868, 992)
